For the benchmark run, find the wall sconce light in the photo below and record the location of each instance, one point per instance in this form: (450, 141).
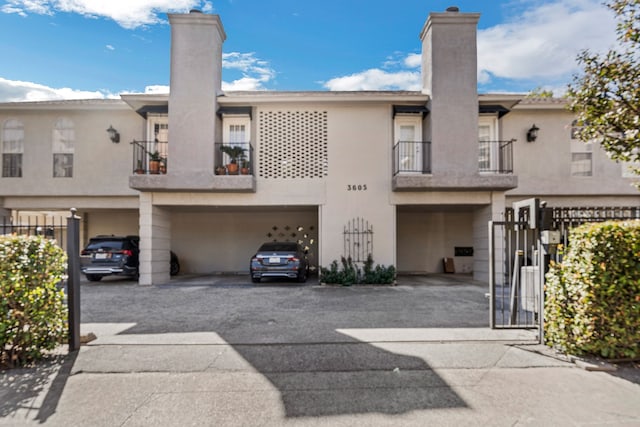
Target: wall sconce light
(532, 134)
(113, 134)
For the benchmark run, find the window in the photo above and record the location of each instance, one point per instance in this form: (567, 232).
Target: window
(236, 133)
(581, 158)
(63, 148)
(408, 140)
(581, 153)
(12, 148)
(489, 149)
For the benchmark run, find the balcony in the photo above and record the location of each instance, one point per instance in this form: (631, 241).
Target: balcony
(412, 157)
(413, 169)
(150, 157)
(496, 157)
(230, 170)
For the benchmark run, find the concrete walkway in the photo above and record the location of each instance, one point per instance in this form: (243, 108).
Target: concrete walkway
(218, 351)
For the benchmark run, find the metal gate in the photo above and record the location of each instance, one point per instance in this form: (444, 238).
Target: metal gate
(521, 248)
(37, 226)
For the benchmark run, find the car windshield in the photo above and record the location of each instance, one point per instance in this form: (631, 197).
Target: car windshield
(278, 247)
(94, 245)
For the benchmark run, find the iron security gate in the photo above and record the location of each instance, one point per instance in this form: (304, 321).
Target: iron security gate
(514, 274)
(521, 248)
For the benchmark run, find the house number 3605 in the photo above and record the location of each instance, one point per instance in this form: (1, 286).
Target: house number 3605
(356, 187)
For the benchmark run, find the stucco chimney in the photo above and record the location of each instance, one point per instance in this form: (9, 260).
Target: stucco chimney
(196, 78)
(449, 76)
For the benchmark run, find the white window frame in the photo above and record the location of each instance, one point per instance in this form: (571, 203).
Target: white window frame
(229, 121)
(492, 151)
(13, 148)
(409, 158)
(63, 147)
(157, 131)
(582, 149)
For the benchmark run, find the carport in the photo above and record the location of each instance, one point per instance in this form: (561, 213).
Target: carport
(426, 234)
(221, 239)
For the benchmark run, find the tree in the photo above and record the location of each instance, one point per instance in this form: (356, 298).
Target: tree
(539, 92)
(606, 96)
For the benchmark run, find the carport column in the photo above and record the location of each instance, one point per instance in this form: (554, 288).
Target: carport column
(155, 241)
(481, 245)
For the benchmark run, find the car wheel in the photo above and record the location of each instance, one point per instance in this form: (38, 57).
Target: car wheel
(255, 279)
(175, 267)
(302, 276)
(94, 277)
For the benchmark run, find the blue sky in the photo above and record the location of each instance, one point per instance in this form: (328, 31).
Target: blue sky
(63, 49)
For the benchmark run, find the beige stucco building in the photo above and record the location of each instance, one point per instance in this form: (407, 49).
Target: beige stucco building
(410, 177)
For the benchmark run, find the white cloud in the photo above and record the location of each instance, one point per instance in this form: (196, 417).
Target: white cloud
(127, 13)
(376, 79)
(255, 72)
(110, 47)
(156, 89)
(16, 91)
(413, 60)
(542, 42)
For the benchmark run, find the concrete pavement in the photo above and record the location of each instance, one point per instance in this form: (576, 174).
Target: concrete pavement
(218, 351)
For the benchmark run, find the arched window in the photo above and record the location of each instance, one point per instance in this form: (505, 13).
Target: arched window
(63, 147)
(12, 148)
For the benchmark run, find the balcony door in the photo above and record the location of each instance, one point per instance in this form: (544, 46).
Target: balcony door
(489, 151)
(236, 132)
(408, 140)
(158, 131)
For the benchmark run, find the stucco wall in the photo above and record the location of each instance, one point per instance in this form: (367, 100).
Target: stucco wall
(100, 167)
(425, 238)
(543, 167)
(116, 222)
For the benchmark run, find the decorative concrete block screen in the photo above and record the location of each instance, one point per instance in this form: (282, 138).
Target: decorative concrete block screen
(293, 144)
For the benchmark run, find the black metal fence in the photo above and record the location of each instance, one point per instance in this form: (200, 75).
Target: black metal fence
(52, 228)
(518, 263)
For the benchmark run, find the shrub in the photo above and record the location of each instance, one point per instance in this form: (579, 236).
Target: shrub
(349, 273)
(592, 301)
(31, 305)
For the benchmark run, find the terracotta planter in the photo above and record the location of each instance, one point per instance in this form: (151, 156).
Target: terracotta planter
(232, 168)
(154, 166)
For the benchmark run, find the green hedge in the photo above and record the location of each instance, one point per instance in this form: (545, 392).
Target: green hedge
(349, 273)
(34, 316)
(592, 303)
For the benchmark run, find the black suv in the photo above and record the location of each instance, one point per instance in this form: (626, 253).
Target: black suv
(114, 255)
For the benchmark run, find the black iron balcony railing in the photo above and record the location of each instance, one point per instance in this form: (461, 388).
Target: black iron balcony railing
(412, 156)
(496, 157)
(150, 157)
(233, 158)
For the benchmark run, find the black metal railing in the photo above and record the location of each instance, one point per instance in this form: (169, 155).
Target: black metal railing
(150, 157)
(495, 157)
(54, 228)
(233, 158)
(412, 156)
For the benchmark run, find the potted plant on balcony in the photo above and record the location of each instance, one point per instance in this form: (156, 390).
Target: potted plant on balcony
(234, 152)
(246, 167)
(139, 169)
(154, 162)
